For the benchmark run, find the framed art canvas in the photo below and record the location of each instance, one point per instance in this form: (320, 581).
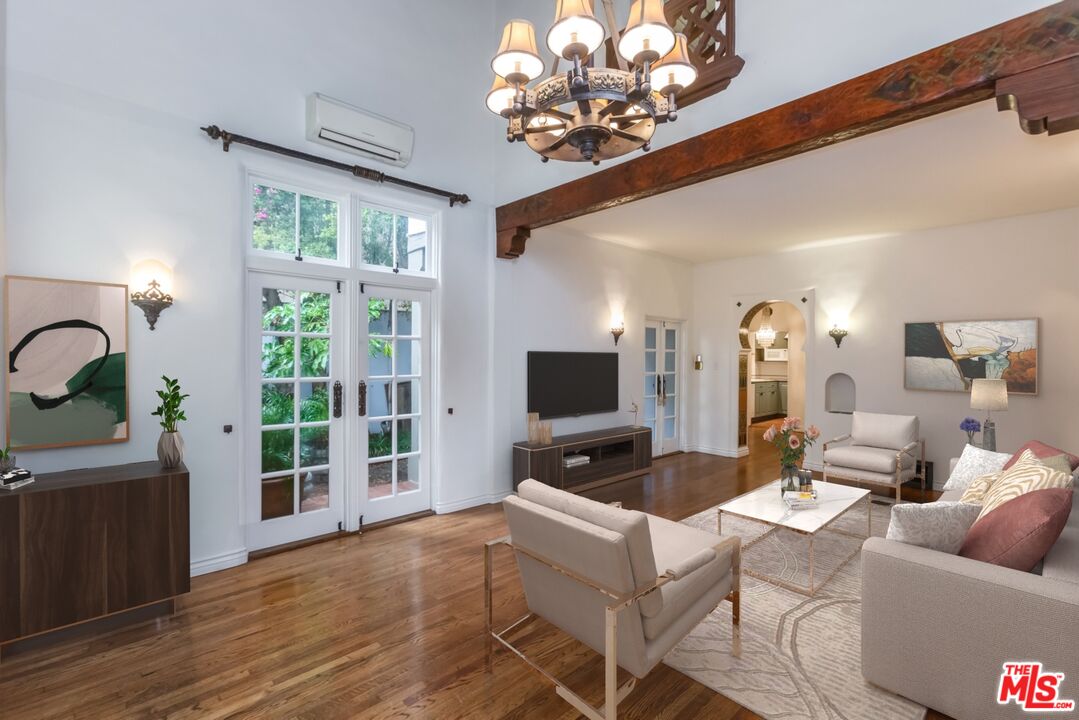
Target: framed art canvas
(950, 355)
(67, 363)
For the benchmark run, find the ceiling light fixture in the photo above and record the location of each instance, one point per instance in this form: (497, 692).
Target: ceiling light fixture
(766, 335)
(591, 113)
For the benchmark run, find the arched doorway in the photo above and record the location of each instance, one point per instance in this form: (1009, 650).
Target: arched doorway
(772, 340)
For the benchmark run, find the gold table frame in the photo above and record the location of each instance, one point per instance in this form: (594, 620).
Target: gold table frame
(810, 589)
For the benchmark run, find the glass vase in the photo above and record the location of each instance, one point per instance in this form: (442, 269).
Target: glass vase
(789, 479)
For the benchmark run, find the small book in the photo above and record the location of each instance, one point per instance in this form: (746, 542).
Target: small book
(17, 484)
(800, 500)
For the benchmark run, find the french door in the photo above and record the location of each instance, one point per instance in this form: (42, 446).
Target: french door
(394, 367)
(340, 421)
(295, 448)
(662, 350)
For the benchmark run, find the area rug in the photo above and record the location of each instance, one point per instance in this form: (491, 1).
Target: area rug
(801, 656)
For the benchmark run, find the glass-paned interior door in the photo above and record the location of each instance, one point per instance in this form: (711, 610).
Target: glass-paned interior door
(395, 359)
(662, 341)
(295, 461)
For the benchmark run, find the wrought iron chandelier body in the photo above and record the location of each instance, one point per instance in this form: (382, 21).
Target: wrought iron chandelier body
(590, 113)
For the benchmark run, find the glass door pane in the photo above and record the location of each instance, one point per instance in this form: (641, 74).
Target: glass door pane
(397, 352)
(299, 453)
(651, 371)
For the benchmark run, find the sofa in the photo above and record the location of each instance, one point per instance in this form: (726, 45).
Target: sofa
(937, 628)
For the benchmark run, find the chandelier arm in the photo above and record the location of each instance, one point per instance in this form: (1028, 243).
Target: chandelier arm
(559, 114)
(545, 128)
(616, 37)
(616, 106)
(558, 143)
(626, 136)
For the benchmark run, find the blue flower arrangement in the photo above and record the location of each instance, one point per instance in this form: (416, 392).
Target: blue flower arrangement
(970, 426)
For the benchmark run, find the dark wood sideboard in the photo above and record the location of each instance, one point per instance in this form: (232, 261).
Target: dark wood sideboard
(615, 454)
(83, 544)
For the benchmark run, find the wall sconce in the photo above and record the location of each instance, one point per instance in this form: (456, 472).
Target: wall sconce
(837, 333)
(156, 278)
(618, 327)
(698, 363)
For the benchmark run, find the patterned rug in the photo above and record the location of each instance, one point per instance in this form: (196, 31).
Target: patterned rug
(801, 656)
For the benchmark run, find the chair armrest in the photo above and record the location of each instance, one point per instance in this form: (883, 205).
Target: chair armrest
(833, 441)
(909, 448)
(694, 562)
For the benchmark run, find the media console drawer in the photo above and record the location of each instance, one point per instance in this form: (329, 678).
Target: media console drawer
(614, 454)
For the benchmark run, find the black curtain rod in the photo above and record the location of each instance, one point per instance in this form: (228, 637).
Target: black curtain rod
(227, 138)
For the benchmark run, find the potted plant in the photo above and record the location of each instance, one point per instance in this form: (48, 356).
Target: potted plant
(970, 426)
(788, 439)
(170, 446)
(7, 460)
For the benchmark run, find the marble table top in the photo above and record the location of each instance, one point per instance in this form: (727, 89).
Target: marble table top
(765, 504)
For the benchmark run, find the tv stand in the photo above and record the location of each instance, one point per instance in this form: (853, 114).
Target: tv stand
(615, 454)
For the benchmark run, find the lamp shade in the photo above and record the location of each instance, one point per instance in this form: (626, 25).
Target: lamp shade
(675, 72)
(648, 37)
(500, 96)
(986, 394)
(518, 58)
(148, 271)
(576, 31)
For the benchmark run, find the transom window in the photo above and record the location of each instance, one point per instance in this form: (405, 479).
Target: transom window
(294, 223)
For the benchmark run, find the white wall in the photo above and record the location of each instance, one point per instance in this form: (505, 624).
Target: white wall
(107, 166)
(791, 48)
(1012, 268)
(560, 296)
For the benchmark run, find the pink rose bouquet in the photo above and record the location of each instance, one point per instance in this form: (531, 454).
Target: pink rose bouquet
(791, 438)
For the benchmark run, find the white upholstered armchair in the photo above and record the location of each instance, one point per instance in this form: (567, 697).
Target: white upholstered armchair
(592, 570)
(883, 450)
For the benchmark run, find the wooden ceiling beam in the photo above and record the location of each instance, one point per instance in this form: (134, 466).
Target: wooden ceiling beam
(950, 76)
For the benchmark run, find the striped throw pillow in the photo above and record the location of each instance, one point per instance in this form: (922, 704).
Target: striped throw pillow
(1026, 475)
(979, 488)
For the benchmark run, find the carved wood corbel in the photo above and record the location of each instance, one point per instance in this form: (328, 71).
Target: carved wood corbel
(1045, 98)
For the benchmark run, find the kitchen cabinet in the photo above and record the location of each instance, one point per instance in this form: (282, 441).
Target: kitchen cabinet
(767, 399)
(783, 397)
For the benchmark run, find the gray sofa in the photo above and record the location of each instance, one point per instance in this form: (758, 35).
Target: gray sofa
(937, 628)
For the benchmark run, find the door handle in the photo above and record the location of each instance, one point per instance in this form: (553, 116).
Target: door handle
(363, 398)
(337, 399)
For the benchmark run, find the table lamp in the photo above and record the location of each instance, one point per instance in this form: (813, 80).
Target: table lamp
(989, 395)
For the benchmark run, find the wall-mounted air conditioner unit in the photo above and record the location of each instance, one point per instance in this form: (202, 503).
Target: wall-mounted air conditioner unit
(346, 127)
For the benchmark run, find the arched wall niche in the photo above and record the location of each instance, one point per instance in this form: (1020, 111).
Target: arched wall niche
(839, 394)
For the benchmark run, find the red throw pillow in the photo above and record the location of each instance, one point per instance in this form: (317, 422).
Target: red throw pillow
(1041, 450)
(1020, 532)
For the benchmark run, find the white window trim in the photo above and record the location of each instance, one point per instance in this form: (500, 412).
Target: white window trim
(344, 219)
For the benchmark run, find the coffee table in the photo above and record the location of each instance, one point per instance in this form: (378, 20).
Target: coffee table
(765, 505)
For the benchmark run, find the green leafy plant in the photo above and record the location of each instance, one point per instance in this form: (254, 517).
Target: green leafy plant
(5, 454)
(169, 410)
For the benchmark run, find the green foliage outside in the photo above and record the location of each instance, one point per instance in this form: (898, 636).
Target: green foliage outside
(278, 361)
(275, 223)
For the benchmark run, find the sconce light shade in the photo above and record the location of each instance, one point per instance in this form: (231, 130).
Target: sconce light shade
(617, 331)
(153, 283)
(837, 333)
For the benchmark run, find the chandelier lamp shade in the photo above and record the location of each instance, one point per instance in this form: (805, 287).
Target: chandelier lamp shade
(590, 113)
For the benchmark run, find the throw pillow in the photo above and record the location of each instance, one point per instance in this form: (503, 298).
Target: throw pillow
(1059, 463)
(1041, 450)
(1025, 476)
(974, 463)
(940, 525)
(1019, 533)
(976, 491)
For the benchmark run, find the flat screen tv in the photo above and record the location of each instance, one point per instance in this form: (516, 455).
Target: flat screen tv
(565, 384)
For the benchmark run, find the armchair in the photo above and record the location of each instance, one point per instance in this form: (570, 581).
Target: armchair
(591, 570)
(881, 451)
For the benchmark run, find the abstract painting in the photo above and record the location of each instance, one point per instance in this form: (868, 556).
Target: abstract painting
(67, 363)
(950, 355)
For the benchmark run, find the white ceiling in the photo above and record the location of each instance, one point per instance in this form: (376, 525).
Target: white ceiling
(963, 166)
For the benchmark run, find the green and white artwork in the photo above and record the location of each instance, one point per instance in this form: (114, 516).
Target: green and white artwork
(67, 363)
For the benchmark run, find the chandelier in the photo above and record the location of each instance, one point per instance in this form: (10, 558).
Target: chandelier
(766, 335)
(590, 113)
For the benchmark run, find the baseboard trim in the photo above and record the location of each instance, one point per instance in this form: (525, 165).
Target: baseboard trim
(721, 452)
(476, 501)
(224, 561)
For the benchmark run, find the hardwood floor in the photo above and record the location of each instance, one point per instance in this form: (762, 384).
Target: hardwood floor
(384, 625)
